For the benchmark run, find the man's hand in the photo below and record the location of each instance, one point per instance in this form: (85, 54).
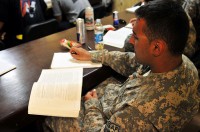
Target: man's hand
(90, 95)
(80, 54)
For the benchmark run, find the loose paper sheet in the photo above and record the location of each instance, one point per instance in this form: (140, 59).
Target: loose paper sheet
(65, 60)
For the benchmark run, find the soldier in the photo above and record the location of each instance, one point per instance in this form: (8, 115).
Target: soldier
(162, 99)
(191, 46)
(192, 7)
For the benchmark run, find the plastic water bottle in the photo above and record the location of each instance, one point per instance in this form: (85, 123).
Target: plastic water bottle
(98, 33)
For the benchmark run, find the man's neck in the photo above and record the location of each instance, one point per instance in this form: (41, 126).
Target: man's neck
(166, 65)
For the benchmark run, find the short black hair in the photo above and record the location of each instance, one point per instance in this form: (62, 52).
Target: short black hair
(147, 0)
(167, 20)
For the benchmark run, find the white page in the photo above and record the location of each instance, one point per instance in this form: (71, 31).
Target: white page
(54, 100)
(129, 26)
(132, 9)
(117, 38)
(65, 60)
(57, 93)
(61, 75)
(6, 67)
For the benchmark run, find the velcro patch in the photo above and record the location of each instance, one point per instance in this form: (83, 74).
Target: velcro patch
(111, 127)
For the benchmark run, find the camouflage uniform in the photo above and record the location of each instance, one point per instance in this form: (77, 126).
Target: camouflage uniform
(190, 47)
(192, 7)
(155, 102)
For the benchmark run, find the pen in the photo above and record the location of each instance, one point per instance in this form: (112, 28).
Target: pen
(74, 53)
(89, 47)
(125, 82)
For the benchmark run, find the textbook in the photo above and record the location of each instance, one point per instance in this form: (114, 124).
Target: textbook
(132, 9)
(117, 38)
(65, 60)
(57, 93)
(6, 67)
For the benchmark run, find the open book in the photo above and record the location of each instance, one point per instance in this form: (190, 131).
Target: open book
(57, 93)
(65, 60)
(132, 9)
(117, 38)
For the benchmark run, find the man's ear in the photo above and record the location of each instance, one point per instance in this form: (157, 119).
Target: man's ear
(158, 47)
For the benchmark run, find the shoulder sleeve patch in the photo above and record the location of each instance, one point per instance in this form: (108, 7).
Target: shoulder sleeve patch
(111, 127)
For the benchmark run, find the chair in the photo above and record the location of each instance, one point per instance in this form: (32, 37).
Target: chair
(2, 45)
(41, 29)
(109, 8)
(95, 2)
(82, 14)
(99, 12)
(99, 8)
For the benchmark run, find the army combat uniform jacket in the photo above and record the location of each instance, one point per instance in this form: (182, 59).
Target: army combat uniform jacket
(156, 102)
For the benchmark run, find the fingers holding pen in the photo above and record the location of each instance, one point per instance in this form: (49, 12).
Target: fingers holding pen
(80, 53)
(74, 50)
(74, 53)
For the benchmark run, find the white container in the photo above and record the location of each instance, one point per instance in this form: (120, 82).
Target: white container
(89, 18)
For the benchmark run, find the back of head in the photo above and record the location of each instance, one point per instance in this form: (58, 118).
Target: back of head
(166, 20)
(147, 0)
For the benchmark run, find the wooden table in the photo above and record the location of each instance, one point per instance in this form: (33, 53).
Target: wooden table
(30, 58)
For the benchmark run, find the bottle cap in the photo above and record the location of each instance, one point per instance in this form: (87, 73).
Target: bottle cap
(89, 8)
(98, 20)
